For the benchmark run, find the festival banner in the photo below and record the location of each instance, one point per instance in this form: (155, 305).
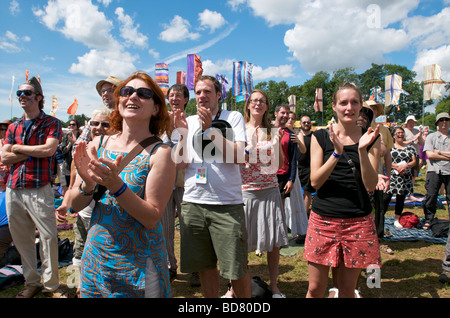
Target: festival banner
(242, 78)
(432, 82)
(292, 102)
(54, 106)
(194, 70)
(318, 101)
(73, 108)
(223, 81)
(162, 76)
(393, 89)
(181, 77)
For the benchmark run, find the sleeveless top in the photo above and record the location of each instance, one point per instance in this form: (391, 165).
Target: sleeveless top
(258, 174)
(338, 197)
(118, 246)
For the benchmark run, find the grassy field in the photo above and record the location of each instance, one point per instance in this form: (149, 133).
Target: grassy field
(411, 272)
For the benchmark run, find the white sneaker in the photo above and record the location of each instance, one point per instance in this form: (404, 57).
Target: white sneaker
(398, 225)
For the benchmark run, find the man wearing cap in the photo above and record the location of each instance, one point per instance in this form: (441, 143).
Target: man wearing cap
(212, 221)
(413, 136)
(437, 148)
(105, 89)
(30, 148)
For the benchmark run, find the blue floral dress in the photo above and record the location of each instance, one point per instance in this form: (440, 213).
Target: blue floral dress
(118, 246)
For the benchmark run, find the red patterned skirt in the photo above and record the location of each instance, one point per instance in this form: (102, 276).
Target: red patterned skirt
(332, 240)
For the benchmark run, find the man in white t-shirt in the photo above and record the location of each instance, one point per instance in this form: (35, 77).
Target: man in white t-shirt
(212, 222)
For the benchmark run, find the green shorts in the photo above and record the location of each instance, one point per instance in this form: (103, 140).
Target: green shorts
(211, 234)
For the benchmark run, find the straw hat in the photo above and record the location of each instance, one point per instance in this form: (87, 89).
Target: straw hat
(111, 79)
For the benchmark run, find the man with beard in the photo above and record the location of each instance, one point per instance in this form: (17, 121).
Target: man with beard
(30, 148)
(304, 162)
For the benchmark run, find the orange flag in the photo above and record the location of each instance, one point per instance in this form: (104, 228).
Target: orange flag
(73, 108)
(26, 75)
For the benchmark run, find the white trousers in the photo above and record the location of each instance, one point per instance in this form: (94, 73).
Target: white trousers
(28, 210)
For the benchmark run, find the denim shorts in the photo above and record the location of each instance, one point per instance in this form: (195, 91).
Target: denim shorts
(212, 234)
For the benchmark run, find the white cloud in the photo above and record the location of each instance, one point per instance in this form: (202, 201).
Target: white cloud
(211, 20)
(235, 4)
(439, 56)
(225, 66)
(100, 64)
(281, 71)
(328, 34)
(80, 21)
(128, 31)
(105, 2)
(154, 53)
(178, 30)
(12, 43)
(14, 7)
(429, 32)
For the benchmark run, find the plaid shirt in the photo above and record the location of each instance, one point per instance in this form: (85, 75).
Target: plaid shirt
(33, 172)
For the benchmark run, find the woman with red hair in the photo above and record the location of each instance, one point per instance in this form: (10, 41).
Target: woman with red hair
(124, 251)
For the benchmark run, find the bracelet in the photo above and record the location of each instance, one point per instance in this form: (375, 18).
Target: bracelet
(336, 155)
(120, 191)
(84, 192)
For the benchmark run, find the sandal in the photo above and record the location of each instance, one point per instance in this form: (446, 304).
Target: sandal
(386, 249)
(58, 293)
(29, 292)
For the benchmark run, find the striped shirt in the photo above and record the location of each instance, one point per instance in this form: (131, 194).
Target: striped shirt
(33, 172)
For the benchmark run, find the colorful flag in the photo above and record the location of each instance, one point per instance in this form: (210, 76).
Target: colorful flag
(181, 77)
(318, 101)
(242, 98)
(194, 70)
(393, 89)
(432, 82)
(223, 81)
(54, 106)
(26, 75)
(292, 102)
(11, 96)
(73, 108)
(162, 76)
(242, 78)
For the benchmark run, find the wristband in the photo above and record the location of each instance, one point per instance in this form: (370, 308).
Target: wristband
(84, 192)
(246, 151)
(120, 191)
(336, 155)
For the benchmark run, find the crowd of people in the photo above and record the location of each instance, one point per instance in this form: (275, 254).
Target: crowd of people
(238, 183)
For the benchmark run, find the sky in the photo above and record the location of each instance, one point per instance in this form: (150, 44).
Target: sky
(73, 44)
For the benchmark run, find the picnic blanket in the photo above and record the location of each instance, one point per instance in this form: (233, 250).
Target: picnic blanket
(411, 235)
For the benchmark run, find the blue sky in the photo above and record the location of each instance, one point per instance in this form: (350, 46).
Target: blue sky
(73, 44)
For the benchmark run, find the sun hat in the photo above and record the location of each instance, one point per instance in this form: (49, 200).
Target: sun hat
(111, 79)
(371, 103)
(36, 85)
(441, 115)
(410, 117)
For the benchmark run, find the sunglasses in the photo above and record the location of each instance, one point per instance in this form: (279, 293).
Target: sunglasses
(25, 92)
(142, 92)
(444, 119)
(94, 123)
(72, 124)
